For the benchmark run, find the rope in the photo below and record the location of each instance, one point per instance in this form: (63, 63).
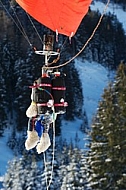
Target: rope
(53, 148)
(34, 28)
(57, 59)
(63, 44)
(89, 39)
(53, 155)
(45, 170)
(20, 29)
(20, 26)
(53, 158)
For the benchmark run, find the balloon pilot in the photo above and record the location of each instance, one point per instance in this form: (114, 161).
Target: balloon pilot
(47, 100)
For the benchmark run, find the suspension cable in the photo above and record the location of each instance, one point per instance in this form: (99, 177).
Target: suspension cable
(63, 44)
(35, 28)
(21, 29)
(87, 42)
(21, 26)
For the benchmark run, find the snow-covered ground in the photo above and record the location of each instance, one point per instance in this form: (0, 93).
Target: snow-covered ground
(94, 79)
(5, 154)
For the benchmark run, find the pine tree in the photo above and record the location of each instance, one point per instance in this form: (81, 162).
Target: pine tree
(73, 171)
(73, 93)
(23, 173)
(108, 151)
(3, 104)
(5, 84)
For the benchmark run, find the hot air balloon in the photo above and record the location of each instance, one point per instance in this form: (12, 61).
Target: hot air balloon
(61, 16)
(48, 93)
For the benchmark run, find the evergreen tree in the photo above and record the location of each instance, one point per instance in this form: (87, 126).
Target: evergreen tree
(23, 174)
(5, 83)
(108, 44)
(73, 169)
(73, 93)
(70, 171)
(3, 104)
(108, 150)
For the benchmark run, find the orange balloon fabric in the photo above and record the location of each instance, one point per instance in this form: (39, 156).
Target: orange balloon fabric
(63, 16)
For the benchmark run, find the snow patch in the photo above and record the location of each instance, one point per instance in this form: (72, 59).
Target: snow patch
(94, 79)
(71, 133)
(5, 153)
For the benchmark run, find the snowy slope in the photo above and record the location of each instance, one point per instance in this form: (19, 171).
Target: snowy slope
(5, 153)
(94, 79)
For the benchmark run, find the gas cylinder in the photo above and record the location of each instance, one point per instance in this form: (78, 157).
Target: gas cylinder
(42, 94)
(58, 93)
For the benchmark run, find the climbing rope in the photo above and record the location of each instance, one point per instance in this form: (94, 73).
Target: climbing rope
(87, 42)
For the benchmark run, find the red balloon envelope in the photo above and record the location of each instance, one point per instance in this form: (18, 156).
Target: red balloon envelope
(63, 16)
